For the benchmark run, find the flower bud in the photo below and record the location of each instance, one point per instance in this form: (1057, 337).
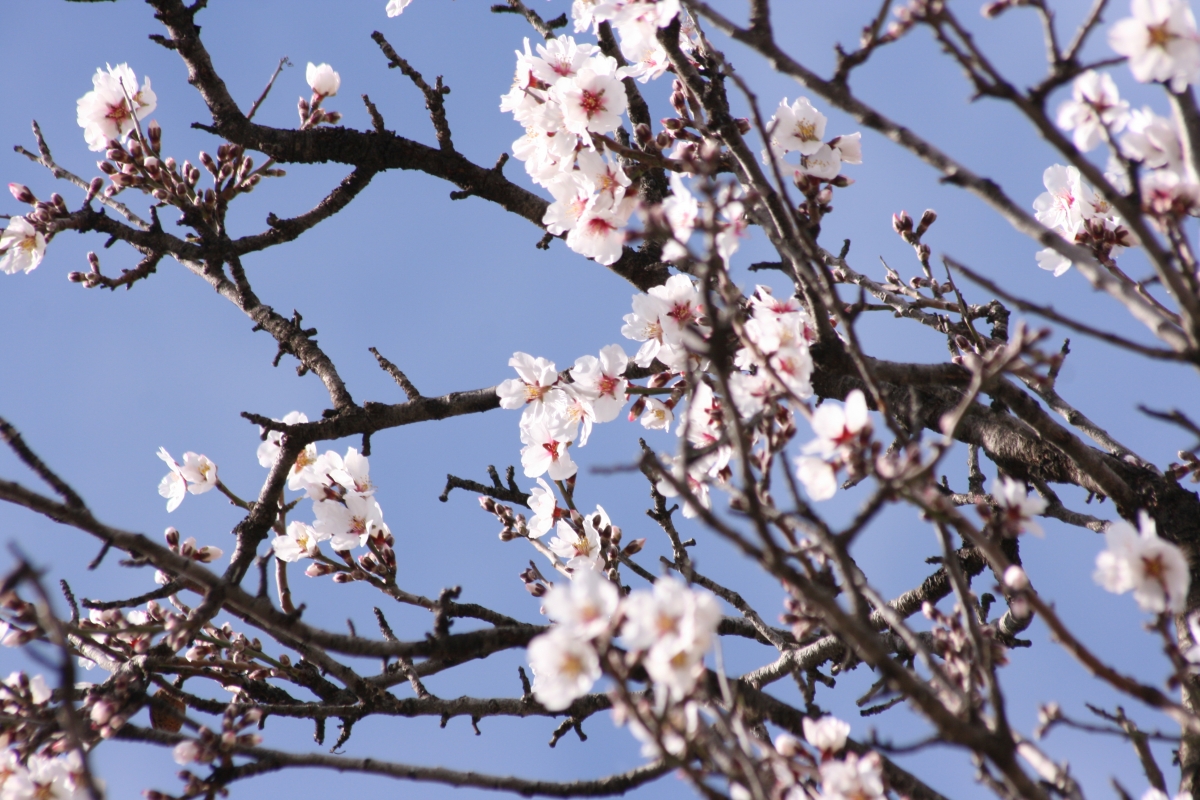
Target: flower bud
(1016, 579)
(743, 125)
(536, 589)
(635, 547)
(171, 534)
(22, 193)
(343, 577)
(902, 223)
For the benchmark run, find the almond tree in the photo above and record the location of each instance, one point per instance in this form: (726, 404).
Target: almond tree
(776, 402)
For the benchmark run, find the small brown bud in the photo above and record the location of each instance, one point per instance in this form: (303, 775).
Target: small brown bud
(743, 125)
(635, 547)
(536, 589)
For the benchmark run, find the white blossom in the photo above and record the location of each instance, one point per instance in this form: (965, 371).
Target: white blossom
(268, 451)
(827, 734)
(533, 389)
(1095, 104)
(21, 247)
(584, 606)
(602, 380)
(1160, 41)
(798, 127)
(1152, 140)
(818, 476)
(853, 778)
(348, 522)
(544, 453)
(544, 506)
(564, 668)
(113, 107)
(838, 426)
(656, 416)
(396, 7)
(1017, 510)
(1154, 569)
(592, 102)
(322, 79)
(300, 542)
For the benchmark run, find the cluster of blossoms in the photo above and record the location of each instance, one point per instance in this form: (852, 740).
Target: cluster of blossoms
(346, 512)
(42, 777)
(1162, 44)
(344, 505)
(800, 128)
(839, 776)
(666, 629)
(568, 96)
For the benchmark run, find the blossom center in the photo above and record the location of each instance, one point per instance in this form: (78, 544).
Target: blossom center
(592, 103)
(806, 131)
(608, 385)
(1159, 35)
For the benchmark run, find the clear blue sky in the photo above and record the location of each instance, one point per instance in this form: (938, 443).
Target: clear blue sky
(98, 381)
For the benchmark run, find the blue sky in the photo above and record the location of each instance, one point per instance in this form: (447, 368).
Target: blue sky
(97, 381)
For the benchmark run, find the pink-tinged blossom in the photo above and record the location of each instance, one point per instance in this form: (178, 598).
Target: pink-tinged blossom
(564, 668)
(301, 541)
(680, 210)
(827, 734)
(562, 57)
(307, 474)
(1165, 194)
(751, 393)
(1154, 569)
(532, 389)
(798, 127)
(322, 79)
(349, 522)
(113, 107)
(602, 381)
(1095, 104)
(544, 507)
(600, 233)
(1060, 207)
(584, 606)
(818, 476)
(1152, 140)
(351, 472)
(839, 426)
(853, 778)
(544, 453)
(792, 367)
(592, 102)
(656, 416)
(571, 199)
(1017, 510)
(1160, 41)
(603, 178)
(268, 451)
(396, 7)
(22, 247)
(683, 308)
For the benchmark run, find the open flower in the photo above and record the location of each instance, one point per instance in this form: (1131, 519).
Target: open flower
(564, 668)
(349, 522)
(22, 247)
(1095, 105)
(1017, 510)
(113, 107)
(300, 542)
(1154, 569)
(584, 606)
(1160, 41)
